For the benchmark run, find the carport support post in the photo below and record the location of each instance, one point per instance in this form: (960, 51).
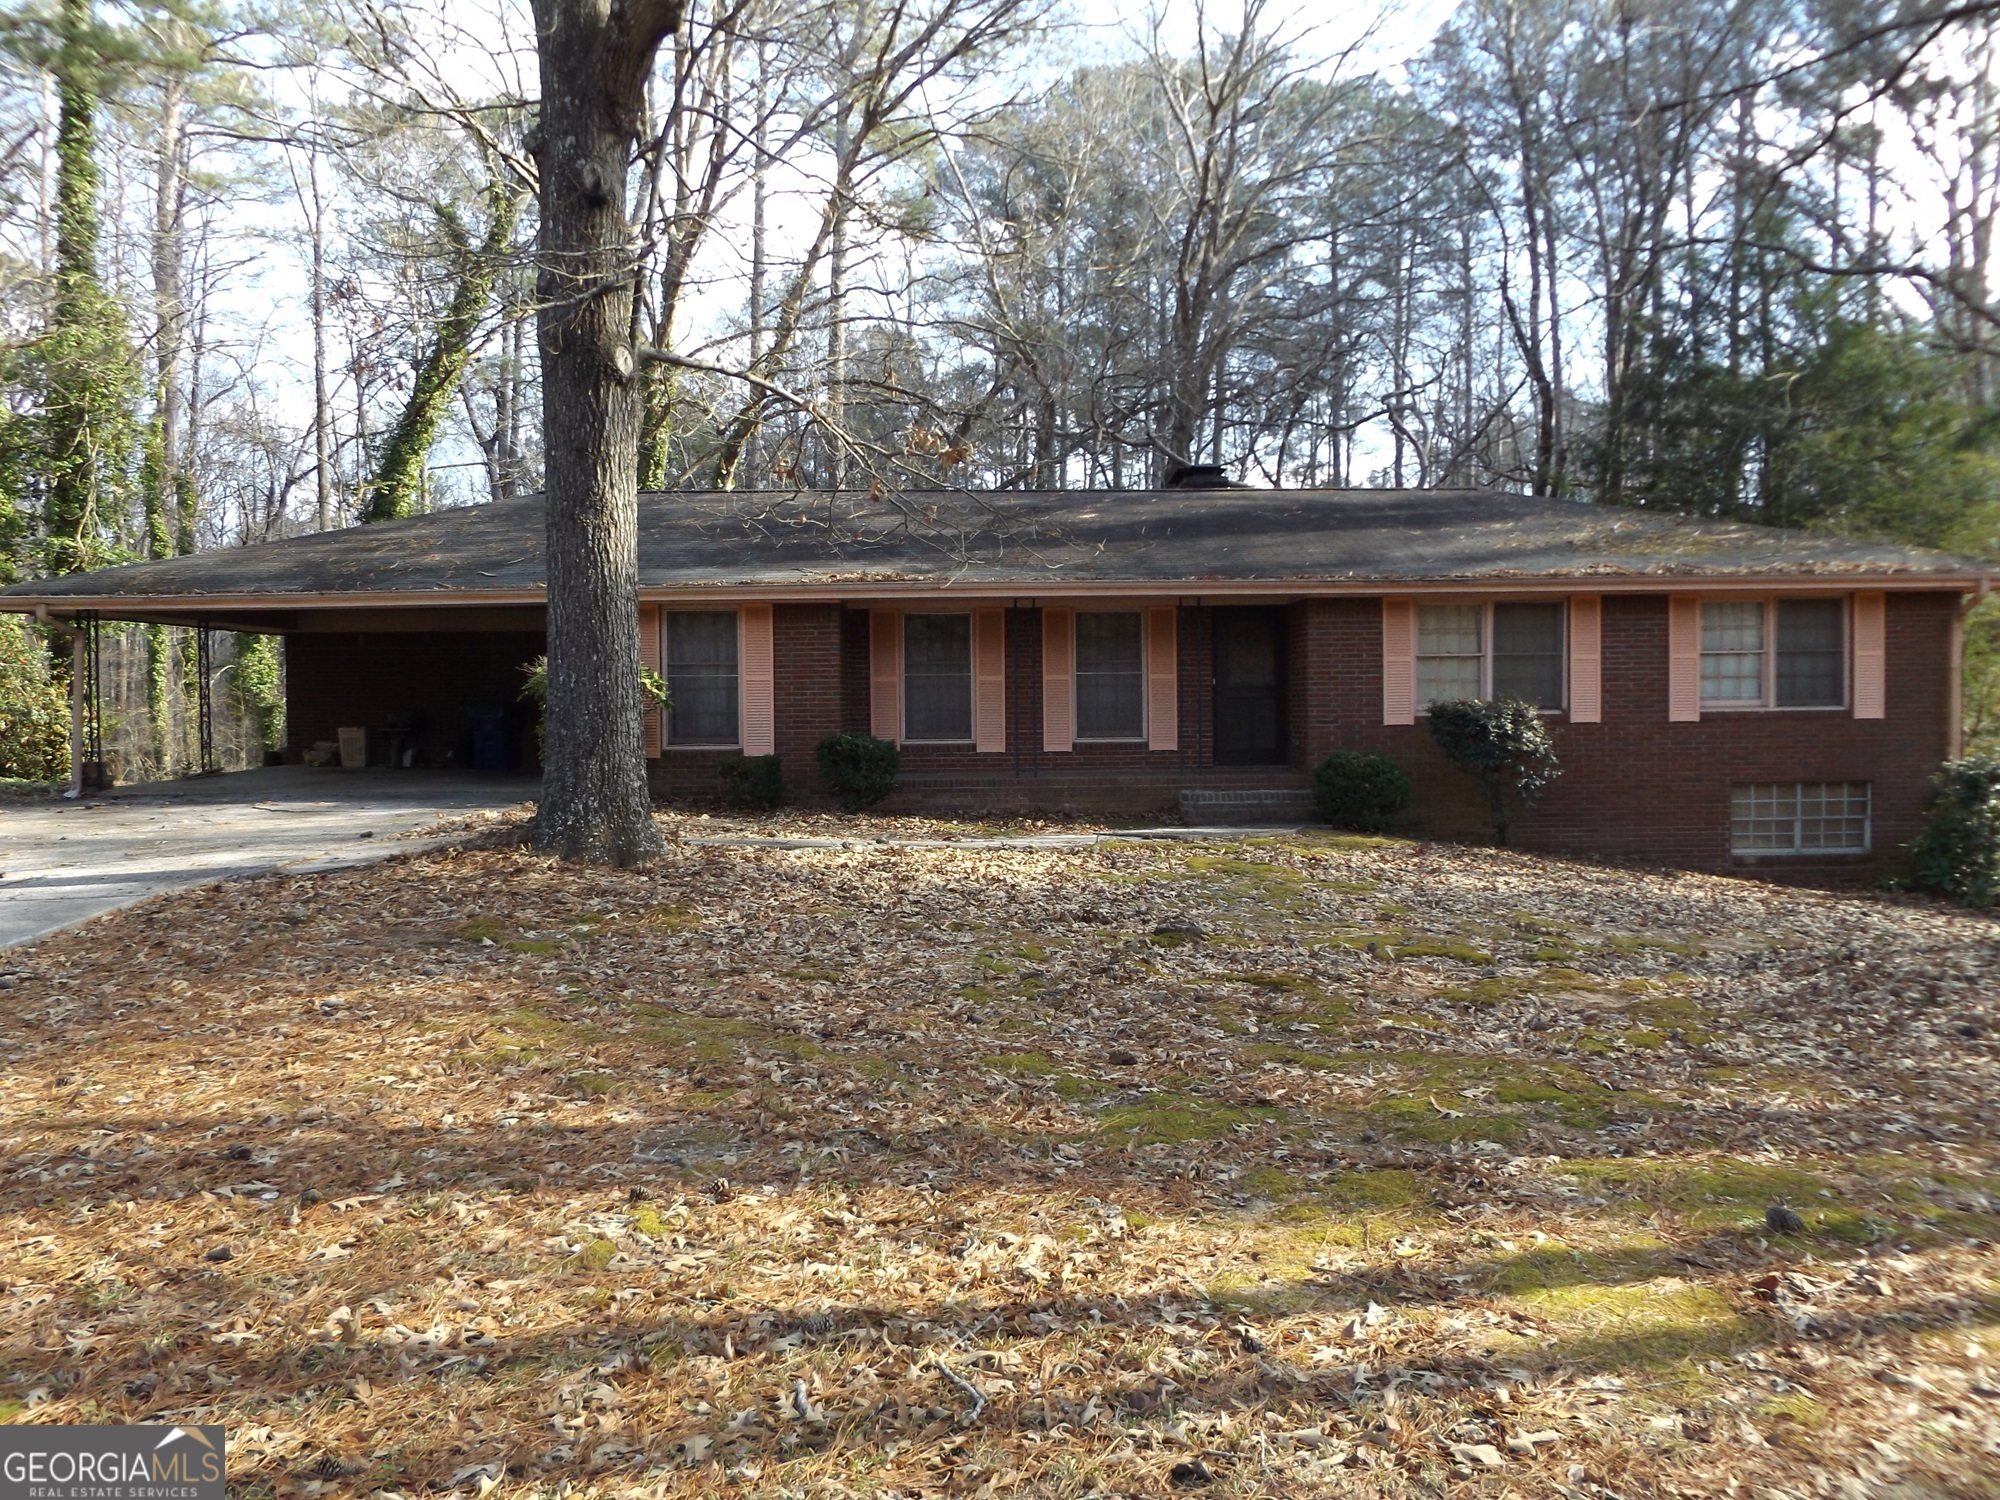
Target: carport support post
(79, 670)
(204, 653)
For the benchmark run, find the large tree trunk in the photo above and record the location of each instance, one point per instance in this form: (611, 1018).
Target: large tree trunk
(595, 56)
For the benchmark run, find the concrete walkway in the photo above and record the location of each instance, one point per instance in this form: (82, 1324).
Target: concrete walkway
(64, 862)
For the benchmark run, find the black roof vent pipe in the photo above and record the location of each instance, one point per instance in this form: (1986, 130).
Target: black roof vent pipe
(1200, 477)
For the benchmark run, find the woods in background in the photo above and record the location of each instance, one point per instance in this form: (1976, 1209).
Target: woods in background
(268, 270)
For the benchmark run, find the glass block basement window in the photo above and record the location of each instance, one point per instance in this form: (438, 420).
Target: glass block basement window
(1799, 817)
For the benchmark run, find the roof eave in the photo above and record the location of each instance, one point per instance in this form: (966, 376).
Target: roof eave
(191, 608)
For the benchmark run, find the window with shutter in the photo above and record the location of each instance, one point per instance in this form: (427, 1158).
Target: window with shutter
(885, 675)
(1773, 653)
(1110, 675)
(1399, 662)
(759, 681)
(1501, 650)
(1871, 662)
(649, 658)
(937, 677)
(701, 677)
(1163, 678)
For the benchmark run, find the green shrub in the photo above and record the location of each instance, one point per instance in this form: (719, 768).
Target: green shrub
(34, 708)
(1958, 852)
(753, 781)
(652, 693)
(1504, 745)
(858, 769)
(1356, 790)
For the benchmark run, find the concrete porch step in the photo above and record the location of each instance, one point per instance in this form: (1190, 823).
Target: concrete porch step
(1229, 805)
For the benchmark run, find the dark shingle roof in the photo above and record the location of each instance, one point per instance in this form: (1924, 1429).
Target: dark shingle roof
(1025, 541)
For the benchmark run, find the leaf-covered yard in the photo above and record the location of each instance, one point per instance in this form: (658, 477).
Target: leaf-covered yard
(1303, 1165)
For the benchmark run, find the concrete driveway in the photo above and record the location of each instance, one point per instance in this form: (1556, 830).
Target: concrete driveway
(64, 862)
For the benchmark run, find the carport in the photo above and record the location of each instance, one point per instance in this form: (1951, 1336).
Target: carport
(409, 636)
(433, 688)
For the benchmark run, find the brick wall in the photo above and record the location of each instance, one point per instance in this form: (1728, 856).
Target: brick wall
(1635, 785)
(1110, 779)
(810, 648)
(854, 707)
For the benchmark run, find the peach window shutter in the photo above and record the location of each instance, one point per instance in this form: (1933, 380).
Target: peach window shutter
(1399, 661)
(757, 680)
(1058, 679)
(1683, 658)
(885, 674)
(989, 680)
(649, 657)
(1163, 679)
(1586, 659)
(1870, 657)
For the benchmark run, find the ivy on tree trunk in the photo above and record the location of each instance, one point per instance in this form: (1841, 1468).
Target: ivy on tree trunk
(595, 57)
(86, 408)
(399, 478)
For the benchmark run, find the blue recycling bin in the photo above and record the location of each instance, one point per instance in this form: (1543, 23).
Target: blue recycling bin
(492, 726)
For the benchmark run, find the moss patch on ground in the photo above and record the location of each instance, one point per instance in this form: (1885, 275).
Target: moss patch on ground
(1664, 1328)
(1173, 1118)
(685, 1037)
(1040, 1066)
(1383, 1188)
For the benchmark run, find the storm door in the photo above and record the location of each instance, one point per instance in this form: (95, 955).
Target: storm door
(1249, 687)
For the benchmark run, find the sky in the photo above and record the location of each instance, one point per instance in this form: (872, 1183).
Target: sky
(1394, 31)
(267, 298)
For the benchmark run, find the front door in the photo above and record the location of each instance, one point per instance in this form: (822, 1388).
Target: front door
(1249, 687)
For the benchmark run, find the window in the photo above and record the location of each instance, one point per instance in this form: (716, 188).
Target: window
(1740, 668)
(1732, 653)
(701, 677)
(1110, 677)
(1450, 652)
(1810, 659)
(1528, 653)
(937, 677)
(1799, 817)
(1490, 650)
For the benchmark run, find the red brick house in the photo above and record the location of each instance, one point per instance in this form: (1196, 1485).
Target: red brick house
(1722, 695)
